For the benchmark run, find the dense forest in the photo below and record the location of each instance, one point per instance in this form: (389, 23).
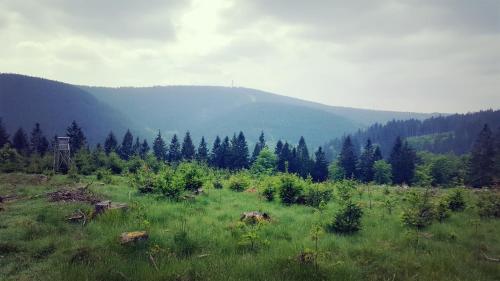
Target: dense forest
(440, 134)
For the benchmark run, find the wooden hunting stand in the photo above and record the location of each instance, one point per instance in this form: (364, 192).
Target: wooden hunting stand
(62, 153)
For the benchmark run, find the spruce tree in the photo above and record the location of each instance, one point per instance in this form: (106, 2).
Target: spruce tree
(38, 142)
(278, 148)
(174, 150)
(216, 154)
(226, 154)
(258, 147)
(320, 170)
(481, 168)
(303, 159)
(77, 139)
(497, 157)
(293, 161)
(202, 153)
(284, 158)
(402, 160)
(159, 149)
(110, 144)
(188, 150)
(136, 148)
(348, 159)
(126, 149)
(240, 153)
(4, 137)
(377, 154)
(366, 161)
(20, 142)
(144, 149)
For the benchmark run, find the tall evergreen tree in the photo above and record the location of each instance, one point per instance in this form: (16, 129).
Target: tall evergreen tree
(188, 150)
(258, 147)
(110, 144)
(293, 161)
(77, 139)
(216, 154)
(174, 150)
(20, 142)
(481, 168)
(284, 158)
(348, 159)
(303, 159)
(38, 142)
(144, 149)
(320, 170)
(136, 148)
(497, 156)
(159, 148)
(402, 160)
(4, 137)
(226, 154)
(377, 154)
(202, 153)
(126, 149)
(240, 153)
(278, 148)
(366, 161)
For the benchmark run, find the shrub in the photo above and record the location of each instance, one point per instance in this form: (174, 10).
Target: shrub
(382, 172)
(442, 212)
(269, 192)
(168, 184)
(73, 173)
(189, 175)
(217, 184)
(317, 193)
(456, 201)
(104, 175)
(344, 189)
(115, 163)
(420, 213)
(135, 163)
(489, 205)
(238, 182)
(10, 160)
(83, 162)
(347, 220)
(291, 188)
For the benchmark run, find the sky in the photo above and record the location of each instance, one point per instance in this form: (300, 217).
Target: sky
(407, 55)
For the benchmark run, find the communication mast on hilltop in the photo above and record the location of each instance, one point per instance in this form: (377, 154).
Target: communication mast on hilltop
(62, 153)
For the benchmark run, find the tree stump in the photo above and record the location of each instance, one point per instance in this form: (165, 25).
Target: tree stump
(101, 207)
(134, 236)
(254, 217)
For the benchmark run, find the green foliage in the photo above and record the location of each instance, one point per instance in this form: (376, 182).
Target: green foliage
(488, 205)
(423, 176)
(290, 189)
(336, 172)
(347, 220)
(345, 189)
(40, 164)
(348, 159)
(104, 175)
(135, 163)
(83, 162)
(217, 184)
(184, 246)
(10, 160)
(442, 211)
(389, 204)
(239, 182)
(170, 185)
(73, 173)
(115, 163)
(189, 175)
(265, 163)
(316, 194)
(382, 172)
(456, 201)
(420, 212)
(481, 170)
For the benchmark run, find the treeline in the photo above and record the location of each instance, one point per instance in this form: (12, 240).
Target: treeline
(226, 153)
(453, 133)
(403, 165)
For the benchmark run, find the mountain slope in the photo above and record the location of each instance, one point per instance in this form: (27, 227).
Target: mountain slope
(26, 100)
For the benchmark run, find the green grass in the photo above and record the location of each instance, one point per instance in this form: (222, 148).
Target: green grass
(36, 243)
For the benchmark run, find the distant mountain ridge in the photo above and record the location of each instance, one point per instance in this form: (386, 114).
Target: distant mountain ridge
(203, 110)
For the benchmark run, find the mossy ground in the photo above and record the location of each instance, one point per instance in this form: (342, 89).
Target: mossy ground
(36, 243)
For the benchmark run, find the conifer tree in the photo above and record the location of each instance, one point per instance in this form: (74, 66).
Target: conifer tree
(136, 148)
(348, 159)
(366, 161)
(377, 154)
(159, 148)
(226, 154)
(216, 154)
(77, 139)
(402, 162)
(144, 149)
(174, 150)
(278, 148)
(497, 156)
(240, 153)
(320, 170)
(293, 161)
(481, 166)
(126, 149)
(38, 142)
(303, 159)
(110, 144)
(202, 153)
(20, 142)
(284, 158)
(188, 150)
(4, 137)
(258, 147)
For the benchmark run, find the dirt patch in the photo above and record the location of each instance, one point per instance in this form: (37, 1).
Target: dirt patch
(81, 194)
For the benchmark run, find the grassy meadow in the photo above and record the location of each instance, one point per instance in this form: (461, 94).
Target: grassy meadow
(203, 239)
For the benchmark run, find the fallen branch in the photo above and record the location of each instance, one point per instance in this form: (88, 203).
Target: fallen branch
(489, 258)
(153, 262)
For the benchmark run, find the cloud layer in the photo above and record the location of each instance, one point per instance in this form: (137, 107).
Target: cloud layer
(402, 55)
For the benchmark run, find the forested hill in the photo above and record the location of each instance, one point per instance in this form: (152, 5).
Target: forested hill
(203, 110)
(442, 134)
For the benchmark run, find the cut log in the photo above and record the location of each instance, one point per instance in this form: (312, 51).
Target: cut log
(254, 217)
(134, 236)
(101, 207)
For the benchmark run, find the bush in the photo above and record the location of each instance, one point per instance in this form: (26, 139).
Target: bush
(489, 205)
(217, 184)
(456, 201)
(189, 175)
(420, 213)
(344, 189)
(10, 160)
(73, 173)
(317, 193)
(269, 192)
(135, 163)
(291, 188)
(238, 182)
(115, 163)
(347, 220)
(104, 176)
(83, 162)
(382, 172)
(442, 212)
(168, 184)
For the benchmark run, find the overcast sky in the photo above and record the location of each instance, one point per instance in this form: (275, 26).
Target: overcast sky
(415, 55)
